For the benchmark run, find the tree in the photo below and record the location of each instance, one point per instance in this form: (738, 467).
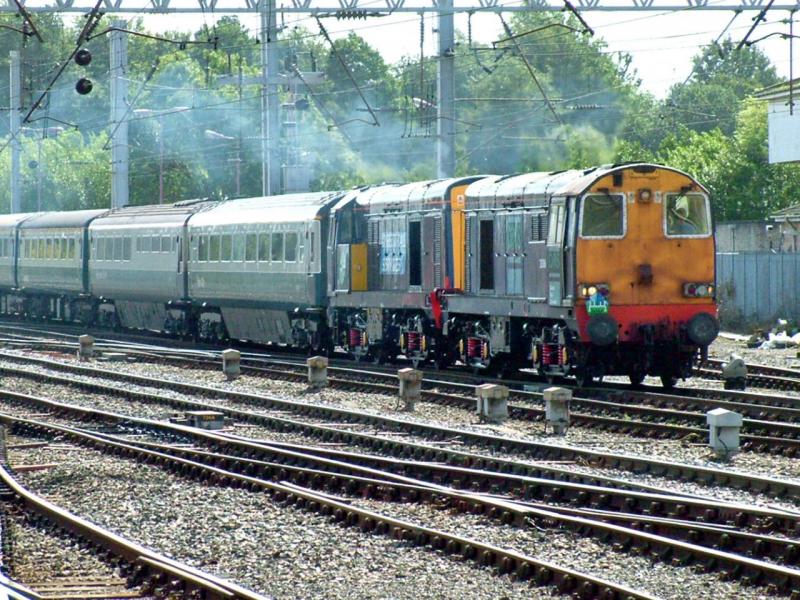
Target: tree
(722, 77)
(736, 168)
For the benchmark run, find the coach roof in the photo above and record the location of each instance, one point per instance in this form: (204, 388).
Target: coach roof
(266, 209)
(62, 219)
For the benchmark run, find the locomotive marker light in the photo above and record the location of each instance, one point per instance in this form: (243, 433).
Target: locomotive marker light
(698, 290)
(723, 432)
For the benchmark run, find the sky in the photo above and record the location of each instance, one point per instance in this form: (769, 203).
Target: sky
(661, 44)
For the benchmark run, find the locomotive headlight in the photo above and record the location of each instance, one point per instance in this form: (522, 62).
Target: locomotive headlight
(645, 195)
(698, 290)
(587, 290)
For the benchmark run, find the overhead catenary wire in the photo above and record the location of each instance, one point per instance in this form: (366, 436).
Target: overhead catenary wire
(530, 70)
(347, 71)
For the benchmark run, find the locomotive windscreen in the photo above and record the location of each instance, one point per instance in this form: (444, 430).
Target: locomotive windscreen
(687, 214)
(603, 216)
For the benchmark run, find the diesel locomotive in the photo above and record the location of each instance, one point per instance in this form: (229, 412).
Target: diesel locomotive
(602, 271)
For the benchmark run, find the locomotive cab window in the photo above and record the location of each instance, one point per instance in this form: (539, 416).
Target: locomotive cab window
(687, 215)
(603, 216)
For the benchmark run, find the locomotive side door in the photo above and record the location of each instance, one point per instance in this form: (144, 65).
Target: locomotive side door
(556, 256)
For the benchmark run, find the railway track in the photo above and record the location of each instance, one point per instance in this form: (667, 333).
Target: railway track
(670, 520)
(627, 532)
(624, 411)
(148, 574)
(314, 420)
(505, 561)
(487, 472)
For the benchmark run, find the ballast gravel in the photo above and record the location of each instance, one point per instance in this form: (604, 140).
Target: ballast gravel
(246, 537)
(673, 450)
(652, 576)
(42, 556)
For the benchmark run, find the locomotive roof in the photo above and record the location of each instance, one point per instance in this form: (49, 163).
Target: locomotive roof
(545, 185)
(8, 221)
(432, 191)
(266, 209)
(62, 219)
(152, 214)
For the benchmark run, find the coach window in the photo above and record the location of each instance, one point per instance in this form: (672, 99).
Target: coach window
(118, 248)
(603, 216)
(166, 243)
(202, 248)
(213, 248)
(687, 215)
(126, 248)
(226, 247)
(487, 254)
(263, 247)
(415, 253)
(291, 247)
(238, 247)
(251, 247)
(301, 243)
(277, 247)
(71, 249)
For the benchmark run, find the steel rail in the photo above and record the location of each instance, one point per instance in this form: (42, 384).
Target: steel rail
(770, 486)
(683, 553)
(505, 560)
(700, 533)
(214, 588)
(683, 506)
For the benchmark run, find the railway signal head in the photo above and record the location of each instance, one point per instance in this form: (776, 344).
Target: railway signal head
(83, 57)
(84, 86)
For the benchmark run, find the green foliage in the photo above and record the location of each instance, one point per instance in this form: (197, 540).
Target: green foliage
(722, 78)
(556, 99)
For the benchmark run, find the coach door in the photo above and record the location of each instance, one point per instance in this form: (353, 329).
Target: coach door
(556, 257)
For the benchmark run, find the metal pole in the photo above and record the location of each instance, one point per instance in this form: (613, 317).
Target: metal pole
(791, 62)
(161, 159)
(39, 174)
(445, 94)
(270, 102)
(16, 145)
(119, 123)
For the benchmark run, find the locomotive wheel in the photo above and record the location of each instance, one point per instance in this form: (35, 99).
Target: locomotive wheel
(582, 378)
(636, 378)
(668, 381)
